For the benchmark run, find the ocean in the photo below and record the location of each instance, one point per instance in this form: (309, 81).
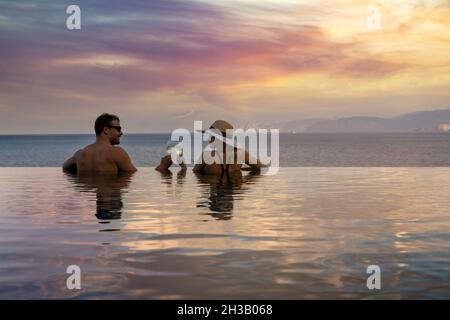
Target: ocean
(296, 150)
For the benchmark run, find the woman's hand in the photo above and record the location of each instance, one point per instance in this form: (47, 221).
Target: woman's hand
(166, 162)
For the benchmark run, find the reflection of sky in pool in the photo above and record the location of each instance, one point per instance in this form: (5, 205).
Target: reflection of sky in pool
(304, 233)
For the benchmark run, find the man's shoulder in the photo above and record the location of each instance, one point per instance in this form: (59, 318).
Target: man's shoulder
(81, 151)
(112, 151)
(85, 149)
(118, 152)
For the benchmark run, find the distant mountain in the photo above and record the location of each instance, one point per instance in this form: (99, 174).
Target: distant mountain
(296, 125)
(421, 121)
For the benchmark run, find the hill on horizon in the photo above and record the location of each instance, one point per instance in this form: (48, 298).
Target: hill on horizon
(419, 121)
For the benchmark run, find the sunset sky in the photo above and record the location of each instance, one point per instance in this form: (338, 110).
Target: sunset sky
(159, 65)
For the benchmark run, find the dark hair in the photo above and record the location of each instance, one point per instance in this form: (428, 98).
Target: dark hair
(103, 121)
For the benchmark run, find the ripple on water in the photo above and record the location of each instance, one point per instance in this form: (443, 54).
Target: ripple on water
(304, 233)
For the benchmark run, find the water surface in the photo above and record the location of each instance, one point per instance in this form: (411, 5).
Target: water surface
(303, 233)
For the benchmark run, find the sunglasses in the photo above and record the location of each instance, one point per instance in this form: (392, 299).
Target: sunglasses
(118, 128)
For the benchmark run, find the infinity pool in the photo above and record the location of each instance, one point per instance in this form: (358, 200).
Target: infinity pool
(301, 234)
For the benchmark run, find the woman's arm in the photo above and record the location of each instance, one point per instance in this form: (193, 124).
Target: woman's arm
(165, 164)
(199, 165)
(255, 164)
(198, 168)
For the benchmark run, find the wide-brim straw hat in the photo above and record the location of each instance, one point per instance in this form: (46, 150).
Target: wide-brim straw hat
(222, 126)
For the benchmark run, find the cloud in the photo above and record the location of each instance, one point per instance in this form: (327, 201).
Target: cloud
(221, 53)
(185, 115)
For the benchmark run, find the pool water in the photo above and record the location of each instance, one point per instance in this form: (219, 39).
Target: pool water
(301, 234)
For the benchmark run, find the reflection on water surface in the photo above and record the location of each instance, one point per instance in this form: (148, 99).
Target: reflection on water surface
(304, 233)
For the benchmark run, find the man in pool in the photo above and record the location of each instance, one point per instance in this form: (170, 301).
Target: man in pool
(102, 156)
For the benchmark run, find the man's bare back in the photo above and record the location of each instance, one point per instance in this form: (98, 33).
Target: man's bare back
(102, 156)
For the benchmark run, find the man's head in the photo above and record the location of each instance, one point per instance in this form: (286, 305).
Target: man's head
(107, 126)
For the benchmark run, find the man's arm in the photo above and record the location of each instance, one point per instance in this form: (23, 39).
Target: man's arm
(70, 164)
(123, 161)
